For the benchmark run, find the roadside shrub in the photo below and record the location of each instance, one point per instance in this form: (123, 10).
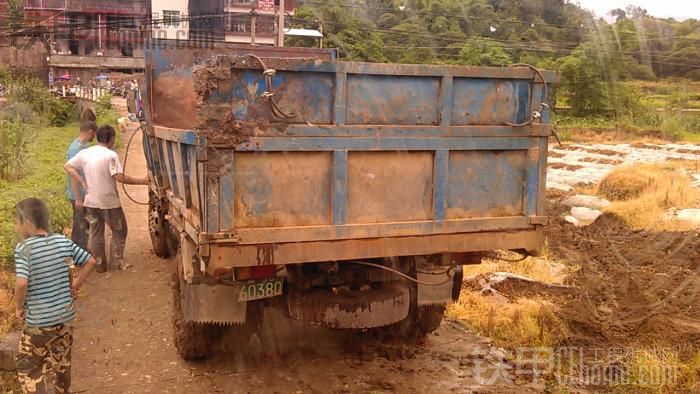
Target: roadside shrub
(103, 104)
(21, 111)
(32, 92)
(44, 179)
(5, 75)
(15, 137)
(61, 112)
(694, 75)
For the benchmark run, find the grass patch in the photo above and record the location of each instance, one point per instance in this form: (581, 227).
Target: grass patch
(538, 268)
(628, 183)
(643, 193)
(7, 304)
(45, 179)
(661, 371)
(525, 322)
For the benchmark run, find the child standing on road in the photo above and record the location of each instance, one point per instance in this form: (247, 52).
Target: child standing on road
(44, 297)
(79, 232)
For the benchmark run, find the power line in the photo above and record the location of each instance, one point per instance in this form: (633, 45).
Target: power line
(523, 45)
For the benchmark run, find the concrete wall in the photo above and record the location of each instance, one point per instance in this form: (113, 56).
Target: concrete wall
(180, 32)
(105, 62)
(26, 55)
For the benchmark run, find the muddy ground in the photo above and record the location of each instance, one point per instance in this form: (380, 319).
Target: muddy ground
(633, 288)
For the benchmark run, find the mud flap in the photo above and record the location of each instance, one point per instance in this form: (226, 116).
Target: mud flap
(436, 286)
(213, 304)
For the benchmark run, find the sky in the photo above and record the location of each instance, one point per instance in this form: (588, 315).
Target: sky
(678, 9)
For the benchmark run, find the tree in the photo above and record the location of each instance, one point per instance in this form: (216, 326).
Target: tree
(636, 12)
(484, 52)
(582, 83)
(619, 14)
(15, 14)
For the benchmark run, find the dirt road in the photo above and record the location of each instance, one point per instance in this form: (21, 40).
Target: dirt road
(123, 342)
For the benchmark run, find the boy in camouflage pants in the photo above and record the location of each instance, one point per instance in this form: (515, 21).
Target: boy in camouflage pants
(44, 297)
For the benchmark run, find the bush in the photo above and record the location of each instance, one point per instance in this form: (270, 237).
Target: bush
(582, 84)
(104, 104)
(15, 137)
(21, 111)
(32, 92)
(694, 75)
(45, 179)
(61, 112)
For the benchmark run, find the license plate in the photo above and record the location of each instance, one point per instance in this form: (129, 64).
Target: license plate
(259, 289)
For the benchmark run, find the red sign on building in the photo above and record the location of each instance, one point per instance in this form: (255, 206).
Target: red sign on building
(266, 5)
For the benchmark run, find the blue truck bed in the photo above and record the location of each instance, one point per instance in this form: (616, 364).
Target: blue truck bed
(380, 158)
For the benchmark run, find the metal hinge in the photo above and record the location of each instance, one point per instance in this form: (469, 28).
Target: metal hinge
(202, 151)
(539, 220)
(206, 238)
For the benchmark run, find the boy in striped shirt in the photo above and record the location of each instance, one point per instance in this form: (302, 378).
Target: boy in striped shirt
(44, 297)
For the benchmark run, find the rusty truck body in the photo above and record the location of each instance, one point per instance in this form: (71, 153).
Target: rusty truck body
(347, 194)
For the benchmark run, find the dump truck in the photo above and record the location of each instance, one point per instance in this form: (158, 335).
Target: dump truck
(348, 195)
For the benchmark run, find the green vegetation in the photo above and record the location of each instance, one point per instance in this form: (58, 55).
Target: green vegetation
(15, 136)
(31, 92)
(35, 132)
(15, 16)
(45, 179)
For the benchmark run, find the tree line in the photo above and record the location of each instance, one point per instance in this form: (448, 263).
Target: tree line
(591, 53)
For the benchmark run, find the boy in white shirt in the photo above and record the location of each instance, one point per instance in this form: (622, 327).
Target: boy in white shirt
(102, 170)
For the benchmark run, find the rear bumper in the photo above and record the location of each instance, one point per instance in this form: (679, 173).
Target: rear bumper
(226, 256)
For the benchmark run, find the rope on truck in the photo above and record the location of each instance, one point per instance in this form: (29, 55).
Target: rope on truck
(269, 94)
(536, 115)
(126, 157)
(407, 277)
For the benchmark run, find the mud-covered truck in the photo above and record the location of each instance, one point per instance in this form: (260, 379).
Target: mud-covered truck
(347, 194)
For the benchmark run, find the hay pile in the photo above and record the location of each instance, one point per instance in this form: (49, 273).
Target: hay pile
(643, 194)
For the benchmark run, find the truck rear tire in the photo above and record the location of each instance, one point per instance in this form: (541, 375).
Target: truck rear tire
(421, 319)
(429, 318)
(193, 341)
(197, 341)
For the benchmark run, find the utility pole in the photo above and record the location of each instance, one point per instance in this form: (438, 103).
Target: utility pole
(253, 22)
(280, 24)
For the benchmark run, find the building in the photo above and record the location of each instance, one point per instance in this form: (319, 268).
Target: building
(87, 37)
(170, 19)
(239, 21)
(4, 9)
